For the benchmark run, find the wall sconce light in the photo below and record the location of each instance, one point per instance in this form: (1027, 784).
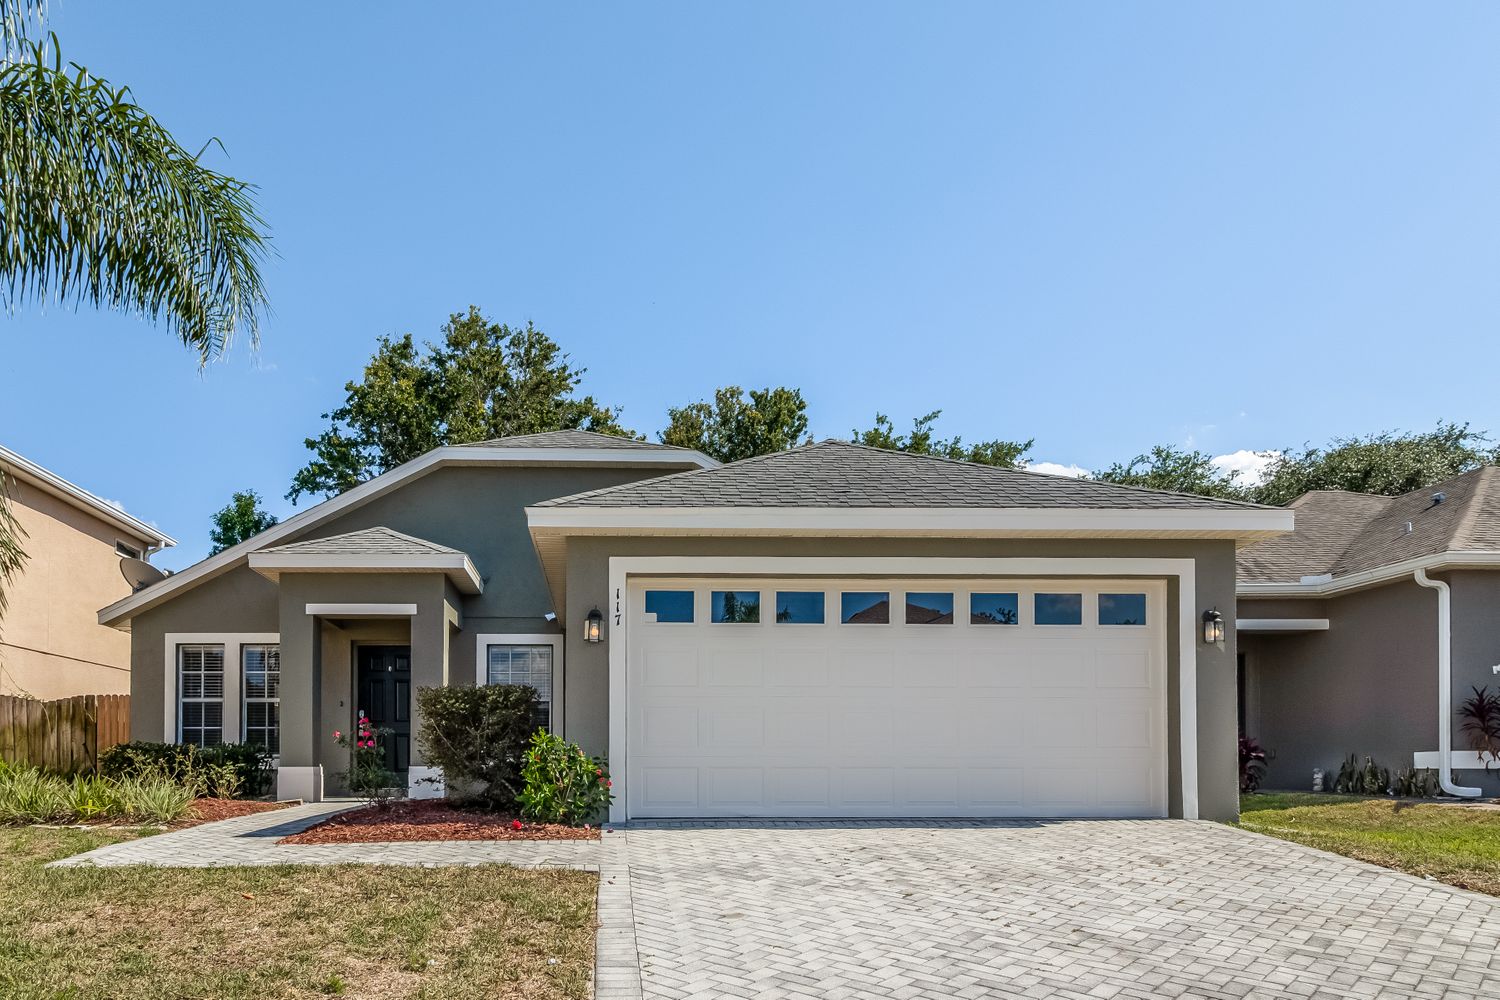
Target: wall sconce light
(1213, 627)
(593, 626)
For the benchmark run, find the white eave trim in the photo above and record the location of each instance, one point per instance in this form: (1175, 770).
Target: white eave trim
(1281, 624)
(363, 610)
(456, 565)
(27, 471)
(384, 483)
(962, 521)
(1319, 587)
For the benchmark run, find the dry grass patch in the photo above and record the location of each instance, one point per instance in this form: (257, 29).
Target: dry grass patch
(356, 931)
(1451, 843)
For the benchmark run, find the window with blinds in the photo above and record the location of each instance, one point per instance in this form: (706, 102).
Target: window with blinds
(200, 695)
(261, 666)
(529, 665)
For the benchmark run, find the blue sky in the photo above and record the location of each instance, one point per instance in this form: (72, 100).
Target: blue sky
(1104, 226)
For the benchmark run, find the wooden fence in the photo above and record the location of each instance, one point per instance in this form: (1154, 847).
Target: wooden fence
(65, 736)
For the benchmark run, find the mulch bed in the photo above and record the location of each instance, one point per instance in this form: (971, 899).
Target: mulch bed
(428, 819)
(209, 810)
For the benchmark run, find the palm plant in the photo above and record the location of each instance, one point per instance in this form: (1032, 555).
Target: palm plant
(101, 206)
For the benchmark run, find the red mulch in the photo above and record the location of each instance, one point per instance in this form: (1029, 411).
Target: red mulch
(428, 819)
(209, 810)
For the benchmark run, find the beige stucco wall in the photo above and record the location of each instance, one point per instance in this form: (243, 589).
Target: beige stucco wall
(51, 642)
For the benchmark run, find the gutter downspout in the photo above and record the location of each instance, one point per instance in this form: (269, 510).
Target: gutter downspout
(1445, 688)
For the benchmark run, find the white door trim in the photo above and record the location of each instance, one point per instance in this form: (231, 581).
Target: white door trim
(621, 568)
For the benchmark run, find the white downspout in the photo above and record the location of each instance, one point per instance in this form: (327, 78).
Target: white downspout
(1445, 688)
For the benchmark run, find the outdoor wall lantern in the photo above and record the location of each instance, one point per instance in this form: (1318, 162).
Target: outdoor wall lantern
(1213, 627)
(593, 626)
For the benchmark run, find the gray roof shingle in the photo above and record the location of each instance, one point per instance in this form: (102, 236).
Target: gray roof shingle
(1343, 533)
(842, 474)
(573, 439)
(379, 541)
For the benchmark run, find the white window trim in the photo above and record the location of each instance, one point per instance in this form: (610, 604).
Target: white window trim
(622, 568)
(553, 639)
(233, 697)
(245, 699)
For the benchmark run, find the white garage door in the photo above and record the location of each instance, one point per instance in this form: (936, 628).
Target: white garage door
(879, 697)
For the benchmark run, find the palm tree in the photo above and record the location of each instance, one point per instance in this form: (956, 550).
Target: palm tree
(101, 206)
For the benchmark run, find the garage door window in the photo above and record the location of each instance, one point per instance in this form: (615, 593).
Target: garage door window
(1059, 609)
(1122, 609)
(994, 609)
(734, 607)
(673, 606)
(865, 607)
(929, 609)
(799, 607)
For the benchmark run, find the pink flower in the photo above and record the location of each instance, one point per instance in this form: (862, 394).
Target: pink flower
(337, 735)
(609, 784)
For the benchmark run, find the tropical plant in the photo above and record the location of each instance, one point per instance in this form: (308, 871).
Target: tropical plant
(478, 736)
(27, 795)
(367, 776)
(1415, 783)
(562, 784)
(227, 770)
(1480, 713)
(1362, 778)
(921, 441)
(89, 797)
(153, 798)
(1252, 764)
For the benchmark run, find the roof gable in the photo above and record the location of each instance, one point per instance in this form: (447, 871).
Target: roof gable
(574, 439)
(368, 541)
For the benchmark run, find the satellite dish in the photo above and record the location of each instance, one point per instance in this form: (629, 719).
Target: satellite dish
(139, 573)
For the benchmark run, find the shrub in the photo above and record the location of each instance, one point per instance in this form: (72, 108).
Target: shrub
(153, 798)
(90, 797)
(228, 770)
(1368, 778)
(29, 796)
(367, 776)
(478, 736)
(1252, 764)
(1415, 783)
(562, 784)
(1481, 715)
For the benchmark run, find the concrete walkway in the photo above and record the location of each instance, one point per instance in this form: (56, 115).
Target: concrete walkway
(251, 840)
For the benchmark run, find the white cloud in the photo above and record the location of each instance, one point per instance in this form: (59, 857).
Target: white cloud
(1056, 469)
(117, 505)
(1248, 468)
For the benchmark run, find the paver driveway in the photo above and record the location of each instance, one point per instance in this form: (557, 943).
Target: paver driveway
(1045, 909)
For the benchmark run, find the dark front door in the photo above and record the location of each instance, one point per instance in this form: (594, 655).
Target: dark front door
(384, 697)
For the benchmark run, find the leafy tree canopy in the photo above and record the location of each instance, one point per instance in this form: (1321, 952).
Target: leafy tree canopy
(1175, 469)
(1388, 463)
(733, 427)
(484, 380)
(238, 520)
(922, 441)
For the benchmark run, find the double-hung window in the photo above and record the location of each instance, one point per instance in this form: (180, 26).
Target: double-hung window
(200, 693)
(515, 663)
(261, 665)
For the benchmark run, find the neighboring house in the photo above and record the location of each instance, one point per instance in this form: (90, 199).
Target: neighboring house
(1339, 645)
(51, 642)
(829, 631)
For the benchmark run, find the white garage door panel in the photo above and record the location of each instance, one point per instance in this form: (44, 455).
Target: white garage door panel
(954, 719)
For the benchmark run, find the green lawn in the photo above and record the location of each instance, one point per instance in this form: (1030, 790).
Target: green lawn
(1454, 844)
(139, 933)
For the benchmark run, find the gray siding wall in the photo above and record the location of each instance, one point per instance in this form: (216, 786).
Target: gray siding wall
(586, 684)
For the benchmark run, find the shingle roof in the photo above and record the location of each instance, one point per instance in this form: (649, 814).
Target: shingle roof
(379, 541)
(572, 439)
(841, 474)
(1343, 533)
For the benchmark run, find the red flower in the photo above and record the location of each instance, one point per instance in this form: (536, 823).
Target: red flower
(515, 824)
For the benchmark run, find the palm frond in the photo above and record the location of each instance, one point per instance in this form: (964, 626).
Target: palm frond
(100, 205)
(12, 556)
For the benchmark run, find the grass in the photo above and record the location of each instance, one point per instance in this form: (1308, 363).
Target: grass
(358, 931)
(1450, 843)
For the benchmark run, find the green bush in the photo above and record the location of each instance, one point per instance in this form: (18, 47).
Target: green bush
(153, 798)
(89, 797)
(562, 784)
(478, 736)
(226, 771)
(29, 796)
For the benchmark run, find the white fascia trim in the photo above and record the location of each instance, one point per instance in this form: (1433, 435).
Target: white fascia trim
(233, 701)
(382, 484)
(457, 565)
(1250, 523)
(25, 469)
(1281, 624)
(1453, 559)
(1462, 760)
(363, 610)
(621, 568)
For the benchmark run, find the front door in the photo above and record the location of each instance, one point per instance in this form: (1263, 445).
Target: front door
(384, 697)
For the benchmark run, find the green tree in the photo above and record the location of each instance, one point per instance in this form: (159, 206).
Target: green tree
(484, 380)
(238, 520)
(922, 441)
(100, 205)
(1389, 463)
(733, 427)
(1175, 469)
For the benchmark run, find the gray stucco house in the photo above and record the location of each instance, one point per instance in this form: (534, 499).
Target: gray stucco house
(831, 631)
(1341, 646)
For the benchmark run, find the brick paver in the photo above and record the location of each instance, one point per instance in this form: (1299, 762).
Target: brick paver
(1072, 909)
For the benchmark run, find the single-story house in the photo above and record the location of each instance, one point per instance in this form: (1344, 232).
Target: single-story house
(1346, 622)
(51, 642)
(831, 631)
